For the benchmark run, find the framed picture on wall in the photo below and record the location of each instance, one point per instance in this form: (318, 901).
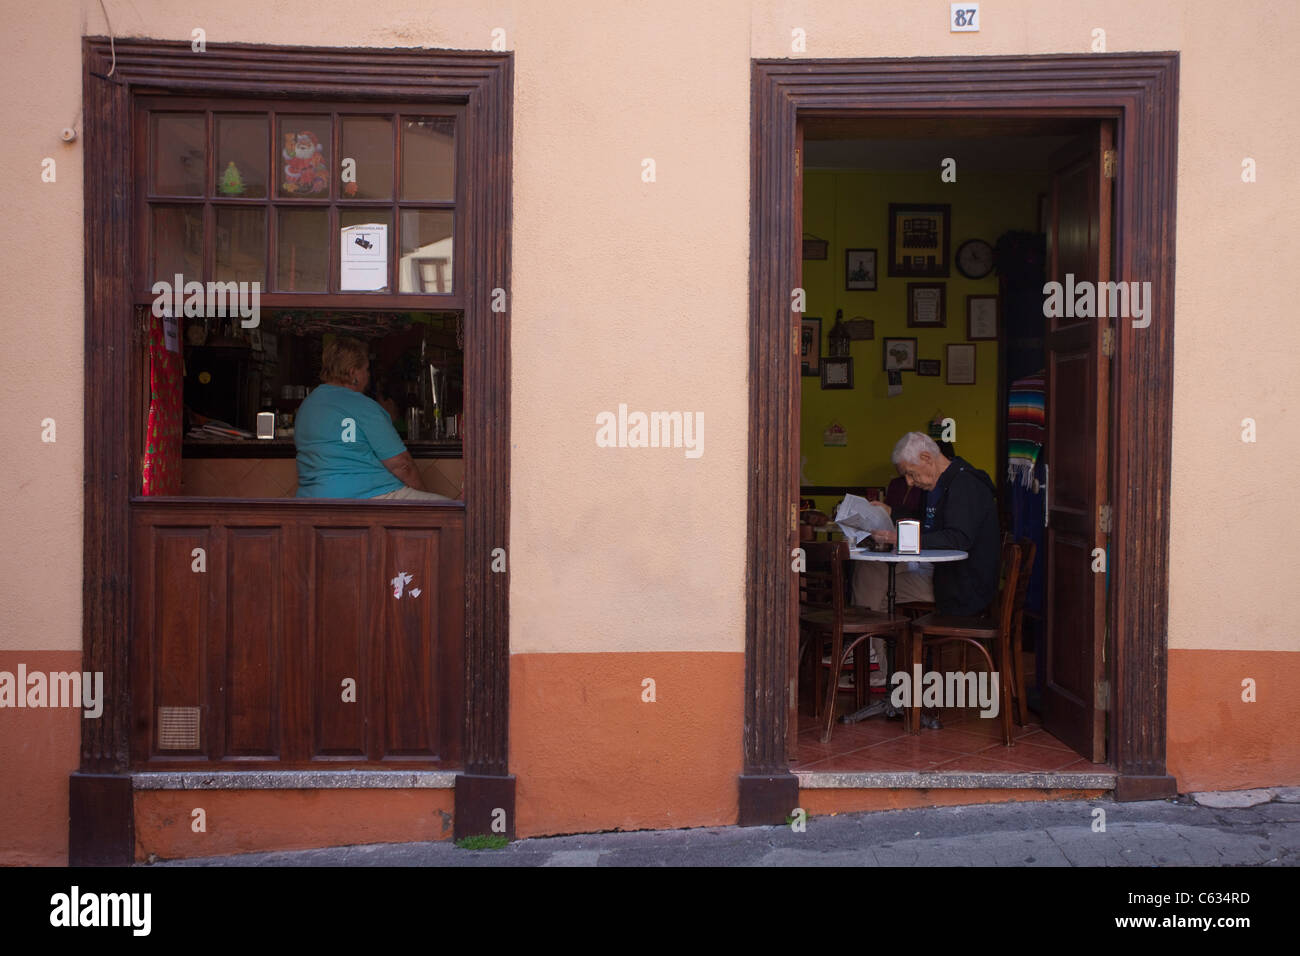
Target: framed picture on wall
(961, 364)
(928, 367)
(810, 346)
(981, 317)
(927, 305)
(919, 239)
(837, 372)
(899, 355)
(860, 270)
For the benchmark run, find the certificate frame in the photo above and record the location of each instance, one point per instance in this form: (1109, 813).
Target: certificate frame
(921, 298)
(983, 318)
(960, 362)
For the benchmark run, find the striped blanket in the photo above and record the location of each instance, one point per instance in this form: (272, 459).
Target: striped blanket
(1026, 426)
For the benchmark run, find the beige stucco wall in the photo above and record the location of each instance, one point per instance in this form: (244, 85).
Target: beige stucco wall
(633, 292)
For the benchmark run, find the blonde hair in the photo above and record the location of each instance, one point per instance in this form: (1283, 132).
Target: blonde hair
(341, 357)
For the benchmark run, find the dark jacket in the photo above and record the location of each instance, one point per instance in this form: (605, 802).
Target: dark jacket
(965, 518)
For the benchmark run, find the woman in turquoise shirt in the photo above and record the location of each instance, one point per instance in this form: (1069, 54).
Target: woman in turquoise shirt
(347, 446)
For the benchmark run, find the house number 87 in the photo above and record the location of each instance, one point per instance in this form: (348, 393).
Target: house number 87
(965, 18)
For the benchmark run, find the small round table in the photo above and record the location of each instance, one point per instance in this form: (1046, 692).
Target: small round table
(928, 556)
(894, 559)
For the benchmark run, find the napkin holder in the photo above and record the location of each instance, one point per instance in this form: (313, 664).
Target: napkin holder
(266, 424)
(909, 537)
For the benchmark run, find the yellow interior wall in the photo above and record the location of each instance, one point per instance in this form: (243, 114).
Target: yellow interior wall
(850, 209)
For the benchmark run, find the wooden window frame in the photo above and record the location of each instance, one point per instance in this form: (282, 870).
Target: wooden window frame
(101, 817)
(1140, 92)
(271, 298)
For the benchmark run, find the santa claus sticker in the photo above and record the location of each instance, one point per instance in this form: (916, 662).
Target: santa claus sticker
(305, 172)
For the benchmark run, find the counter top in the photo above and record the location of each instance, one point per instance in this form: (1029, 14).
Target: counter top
(284, 448)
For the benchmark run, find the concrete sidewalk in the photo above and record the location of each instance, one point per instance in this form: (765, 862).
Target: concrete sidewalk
(1235, 828)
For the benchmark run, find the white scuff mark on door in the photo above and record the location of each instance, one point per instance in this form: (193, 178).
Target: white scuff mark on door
(400, 582)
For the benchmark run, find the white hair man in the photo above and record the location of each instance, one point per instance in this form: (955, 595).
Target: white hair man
(960, 513)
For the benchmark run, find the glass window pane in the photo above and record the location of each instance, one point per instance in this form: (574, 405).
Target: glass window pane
(429, 158)
(368, 142)
(304, 153)
(177, 243)
(426, 251)
(302, 250)
(241, 245)
(357, 273)
(241, 156)
(179, 162)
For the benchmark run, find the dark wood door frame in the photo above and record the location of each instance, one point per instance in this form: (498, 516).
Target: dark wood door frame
(101, 826)
(1140, 92)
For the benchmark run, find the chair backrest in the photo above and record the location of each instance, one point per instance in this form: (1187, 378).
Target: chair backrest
(1028, 551)
(822, 584)
(1010, 584)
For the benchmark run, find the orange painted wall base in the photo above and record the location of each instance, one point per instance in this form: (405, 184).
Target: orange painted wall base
(1217, 741)
(589, 754)
(254, 821)
(38, 750)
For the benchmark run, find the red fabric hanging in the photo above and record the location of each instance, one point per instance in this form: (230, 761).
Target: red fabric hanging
(162, 444)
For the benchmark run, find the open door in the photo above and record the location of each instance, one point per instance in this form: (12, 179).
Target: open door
(1078, 412)
(792, 673)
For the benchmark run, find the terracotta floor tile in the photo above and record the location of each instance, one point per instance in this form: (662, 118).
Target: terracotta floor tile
(1086, 766)
(972, 763)
(1030, 758)
(1042, 738)
(911, 753)
(959, 741)
(859, 762)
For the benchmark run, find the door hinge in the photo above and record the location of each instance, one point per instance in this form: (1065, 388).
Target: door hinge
(1103, 695)
(794, 516)
(1109, 160)
(1108, 341)
(794, 340)
(796, 162)
(1103, 518)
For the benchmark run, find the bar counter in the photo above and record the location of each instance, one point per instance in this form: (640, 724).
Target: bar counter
(284, 448)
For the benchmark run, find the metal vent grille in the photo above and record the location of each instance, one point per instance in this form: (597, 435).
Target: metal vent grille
(178, 728)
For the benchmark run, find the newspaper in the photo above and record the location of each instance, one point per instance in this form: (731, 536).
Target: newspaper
(858, 517)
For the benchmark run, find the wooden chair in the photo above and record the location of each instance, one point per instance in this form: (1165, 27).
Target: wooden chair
(983, 632)
(1028, 551)
(824, 613)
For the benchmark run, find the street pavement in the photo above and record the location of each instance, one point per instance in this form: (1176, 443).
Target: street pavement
(1259, 828)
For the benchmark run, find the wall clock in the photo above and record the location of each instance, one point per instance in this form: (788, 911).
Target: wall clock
(975, 259)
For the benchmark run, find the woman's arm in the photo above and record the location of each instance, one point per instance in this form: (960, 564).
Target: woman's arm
(403, 468)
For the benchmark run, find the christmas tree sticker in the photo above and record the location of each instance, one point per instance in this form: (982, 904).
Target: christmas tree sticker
(232, 184)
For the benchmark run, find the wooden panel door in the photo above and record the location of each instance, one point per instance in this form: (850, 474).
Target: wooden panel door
(1078, 406)
(339, 639)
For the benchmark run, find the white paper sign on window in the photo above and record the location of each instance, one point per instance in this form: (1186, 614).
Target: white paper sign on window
(363, 265)
(171, 333)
